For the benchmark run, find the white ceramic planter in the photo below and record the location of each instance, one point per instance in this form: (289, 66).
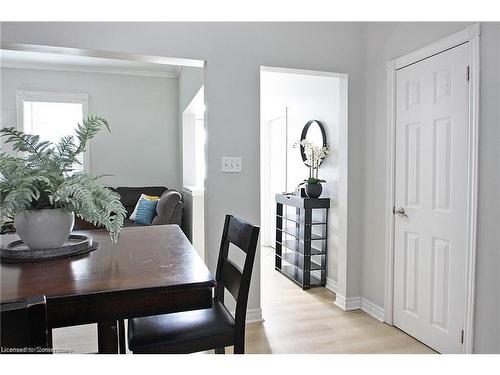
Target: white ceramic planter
(44, 229)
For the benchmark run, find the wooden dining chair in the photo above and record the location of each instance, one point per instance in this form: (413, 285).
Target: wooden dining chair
(23, 326)
(213, 328)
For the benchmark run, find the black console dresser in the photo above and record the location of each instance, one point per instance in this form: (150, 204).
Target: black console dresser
(302, 239)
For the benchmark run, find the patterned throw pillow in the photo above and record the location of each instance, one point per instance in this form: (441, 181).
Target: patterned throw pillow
(143, 196)
(146, 211)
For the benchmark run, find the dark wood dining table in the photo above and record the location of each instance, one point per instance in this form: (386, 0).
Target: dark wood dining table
(150, 270)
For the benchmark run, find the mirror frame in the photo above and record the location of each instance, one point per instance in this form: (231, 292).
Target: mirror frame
(304, 135)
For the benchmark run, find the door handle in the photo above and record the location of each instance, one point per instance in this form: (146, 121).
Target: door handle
(400, 212)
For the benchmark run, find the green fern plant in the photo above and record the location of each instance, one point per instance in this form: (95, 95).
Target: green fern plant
(41, 177)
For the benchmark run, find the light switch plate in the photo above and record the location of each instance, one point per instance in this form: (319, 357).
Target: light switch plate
(231, 164)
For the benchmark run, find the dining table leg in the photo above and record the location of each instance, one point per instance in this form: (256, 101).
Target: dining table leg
(107, 337)
(50, 342)
(121, 337)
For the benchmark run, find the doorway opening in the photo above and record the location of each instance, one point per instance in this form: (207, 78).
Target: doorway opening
(290, 98)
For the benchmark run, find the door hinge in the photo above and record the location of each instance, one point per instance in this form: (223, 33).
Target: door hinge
(467, 74)
(462, 338)
(394, 210)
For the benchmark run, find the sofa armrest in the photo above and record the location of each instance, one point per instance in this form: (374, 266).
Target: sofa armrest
(169, 209)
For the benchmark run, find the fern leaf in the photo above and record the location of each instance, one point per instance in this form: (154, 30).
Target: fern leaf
(24, 142)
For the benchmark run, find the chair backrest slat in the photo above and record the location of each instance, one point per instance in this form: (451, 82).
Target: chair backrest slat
(231, 278)
(239, 233)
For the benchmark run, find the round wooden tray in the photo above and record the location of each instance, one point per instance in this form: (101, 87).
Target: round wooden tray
(18, 252)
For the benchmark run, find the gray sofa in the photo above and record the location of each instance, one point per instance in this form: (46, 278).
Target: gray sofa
(168, 210)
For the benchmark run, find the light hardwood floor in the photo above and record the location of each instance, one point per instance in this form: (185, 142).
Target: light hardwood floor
(296, 321)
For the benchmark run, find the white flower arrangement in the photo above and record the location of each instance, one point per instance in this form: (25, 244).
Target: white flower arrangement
(314, 156)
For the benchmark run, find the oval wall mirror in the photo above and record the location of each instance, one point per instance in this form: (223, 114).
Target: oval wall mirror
(313, 132)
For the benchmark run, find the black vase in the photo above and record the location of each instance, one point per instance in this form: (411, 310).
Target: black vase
(314, 190)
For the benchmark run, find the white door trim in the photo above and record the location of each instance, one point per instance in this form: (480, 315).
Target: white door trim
(469, 35)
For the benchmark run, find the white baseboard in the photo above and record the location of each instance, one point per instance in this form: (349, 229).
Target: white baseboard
(373, 310)
(331, 285)
(355, 303)
(340, 301)
(347, 304)
(254, 316)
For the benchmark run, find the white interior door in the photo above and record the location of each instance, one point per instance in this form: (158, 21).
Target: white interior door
(431, 195)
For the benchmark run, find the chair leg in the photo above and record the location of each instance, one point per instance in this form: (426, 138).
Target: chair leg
(239, 346)
(121, 337)
(220, 350)
(49, 338)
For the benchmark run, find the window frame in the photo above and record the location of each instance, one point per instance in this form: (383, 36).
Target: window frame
(53, 97)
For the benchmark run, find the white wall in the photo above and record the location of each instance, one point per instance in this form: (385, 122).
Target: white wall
(193, 142)
(234, 52)
(306, 97)
(189, 83)
(188, 149)
(142, 112)
(386, 41)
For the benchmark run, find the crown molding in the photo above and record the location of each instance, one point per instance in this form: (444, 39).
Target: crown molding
(71, 68)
